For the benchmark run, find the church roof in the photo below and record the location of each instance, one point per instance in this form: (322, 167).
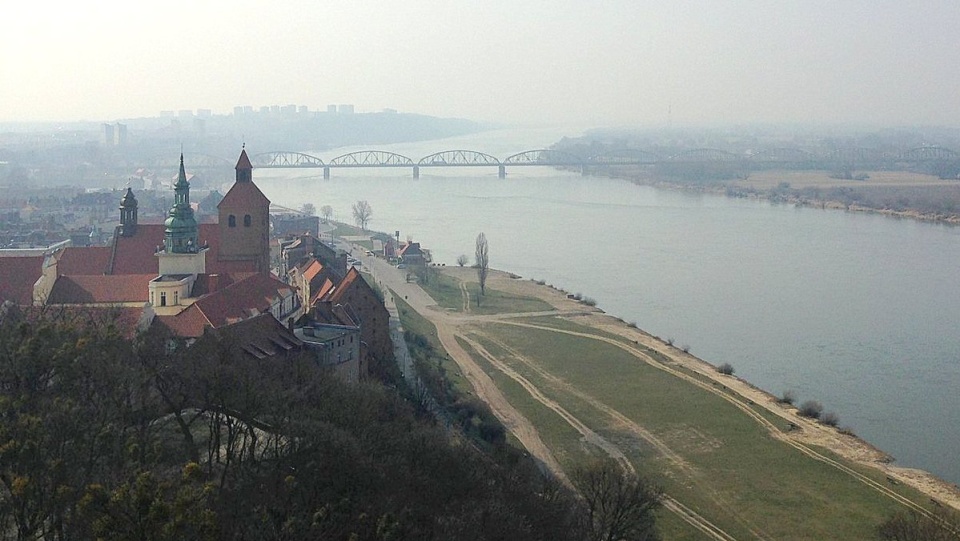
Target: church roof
(91, 289)
(19, 274)
(244, 161)
(136, 254)
(76, 260)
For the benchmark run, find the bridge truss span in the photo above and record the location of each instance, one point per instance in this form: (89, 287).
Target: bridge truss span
(625, 156)
(457, 158)
(285, 159)
(371, 158)
(543, 157)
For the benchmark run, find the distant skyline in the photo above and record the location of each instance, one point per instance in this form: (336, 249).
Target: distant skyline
(615, 63)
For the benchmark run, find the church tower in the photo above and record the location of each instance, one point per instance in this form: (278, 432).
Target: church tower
(180, 228)
(245, 221)
(128, 214)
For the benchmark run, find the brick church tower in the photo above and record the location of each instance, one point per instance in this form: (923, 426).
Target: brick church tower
(245, 220)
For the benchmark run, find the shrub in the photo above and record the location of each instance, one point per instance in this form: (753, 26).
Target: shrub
(830, 418)
(726, 369)
(788, 397)
(847, 431)
(685, 348)
(669, 341)
(632, 324)
(811, 409)
(589, 301)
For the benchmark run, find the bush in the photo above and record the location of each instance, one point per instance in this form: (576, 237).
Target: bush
(811, 409)
(632, 324)
(788, 397)
(726, 369)
(669, 341)
(685, 348)
(589, 301)
(830, 419)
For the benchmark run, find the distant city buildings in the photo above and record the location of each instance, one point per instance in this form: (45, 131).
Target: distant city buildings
(114, 135)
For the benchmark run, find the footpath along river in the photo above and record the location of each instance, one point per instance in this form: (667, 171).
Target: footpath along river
(856, 311)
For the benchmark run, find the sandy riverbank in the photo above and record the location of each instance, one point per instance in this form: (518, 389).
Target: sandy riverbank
(808, 432)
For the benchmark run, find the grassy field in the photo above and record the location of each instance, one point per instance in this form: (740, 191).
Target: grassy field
(732, 471)
(447, 292)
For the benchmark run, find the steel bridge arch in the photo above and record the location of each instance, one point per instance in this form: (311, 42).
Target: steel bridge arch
(782, 155)
(930, 153)
(457, 158)
(854, 155)
(704, 155)
(625, 156)
(544, 156)
(371, 158)
(283, 158)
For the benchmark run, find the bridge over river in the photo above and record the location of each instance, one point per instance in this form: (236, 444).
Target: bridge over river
(777, 158)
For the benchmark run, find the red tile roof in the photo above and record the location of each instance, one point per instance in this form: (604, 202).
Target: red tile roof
(17, 277)
(344, 286)
(76, 260)
(136, 254)
(103, 289)
(259, 337)
(238, 301)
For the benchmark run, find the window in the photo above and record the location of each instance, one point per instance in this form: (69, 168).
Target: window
(232, 221)
(246, 221)
(163, 298)
(176, 298)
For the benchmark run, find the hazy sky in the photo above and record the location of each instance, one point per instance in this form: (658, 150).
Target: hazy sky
(613, 62)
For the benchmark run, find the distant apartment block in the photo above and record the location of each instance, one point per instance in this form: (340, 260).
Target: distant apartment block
(345, 109)
(332, 109)
(113, 134)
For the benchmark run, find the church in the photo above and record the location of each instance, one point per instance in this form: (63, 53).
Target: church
(178, 274)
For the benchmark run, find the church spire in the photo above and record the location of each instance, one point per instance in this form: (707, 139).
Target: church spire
(244, 168)
(181, 231)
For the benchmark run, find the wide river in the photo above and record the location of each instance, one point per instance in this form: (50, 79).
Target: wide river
(859, 312)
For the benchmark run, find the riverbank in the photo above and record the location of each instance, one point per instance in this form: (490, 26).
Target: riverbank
(896, 194)
(809, 431)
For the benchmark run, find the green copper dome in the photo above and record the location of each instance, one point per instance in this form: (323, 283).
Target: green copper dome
(180, 227)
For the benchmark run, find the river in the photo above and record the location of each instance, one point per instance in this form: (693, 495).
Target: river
(856, 311)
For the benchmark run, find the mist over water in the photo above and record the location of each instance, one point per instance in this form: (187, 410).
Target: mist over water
(856, 311)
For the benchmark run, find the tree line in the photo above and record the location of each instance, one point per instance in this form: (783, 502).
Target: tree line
(107, 437)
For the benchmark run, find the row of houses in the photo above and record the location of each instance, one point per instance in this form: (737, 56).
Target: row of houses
(213, 281)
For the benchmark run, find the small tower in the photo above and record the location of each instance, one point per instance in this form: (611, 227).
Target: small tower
(128, 214)
(180, 228)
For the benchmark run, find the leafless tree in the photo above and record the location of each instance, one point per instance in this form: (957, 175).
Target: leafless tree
(462, 259)
(308, 209)
(326, 212)
(362, 211)
(619, 505)
(482, 261)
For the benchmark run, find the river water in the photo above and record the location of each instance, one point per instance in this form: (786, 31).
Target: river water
(858, 312)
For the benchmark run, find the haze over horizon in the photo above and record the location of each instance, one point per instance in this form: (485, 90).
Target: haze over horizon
(564, 62)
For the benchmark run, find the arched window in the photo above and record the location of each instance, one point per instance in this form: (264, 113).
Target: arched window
(232, 221)
(246, 221)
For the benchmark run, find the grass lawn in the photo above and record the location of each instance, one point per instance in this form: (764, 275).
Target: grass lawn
(740, 478)
(446, 291)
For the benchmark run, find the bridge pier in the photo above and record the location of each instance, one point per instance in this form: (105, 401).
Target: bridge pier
(416, 171)
(502, 171)
(326, 172)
